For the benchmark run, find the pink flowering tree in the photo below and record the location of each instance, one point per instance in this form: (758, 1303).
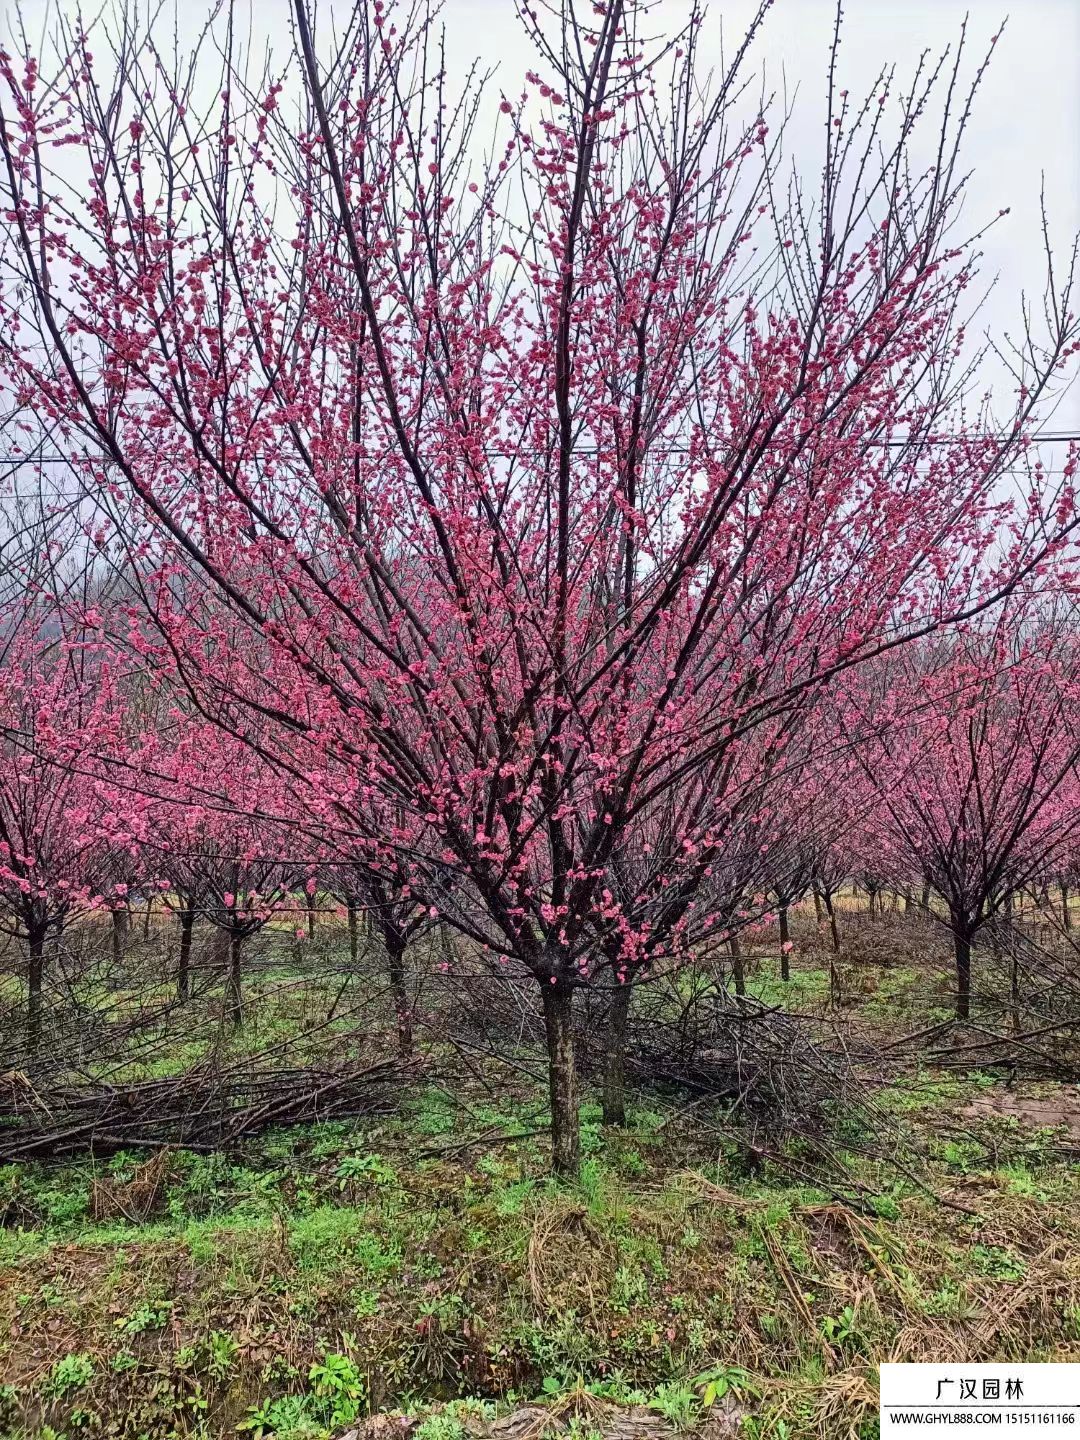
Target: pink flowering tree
(528, 493)
(217, 847)
(60, 715)
(976, 743)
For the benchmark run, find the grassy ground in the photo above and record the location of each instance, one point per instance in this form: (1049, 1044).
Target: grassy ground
(430, 1266)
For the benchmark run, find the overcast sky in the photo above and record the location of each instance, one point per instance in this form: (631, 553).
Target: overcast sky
(1026, 124)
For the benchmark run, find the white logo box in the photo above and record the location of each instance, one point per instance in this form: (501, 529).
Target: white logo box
(942, 1402)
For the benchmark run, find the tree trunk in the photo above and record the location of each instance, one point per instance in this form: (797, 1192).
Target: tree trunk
(235, 992)
(395, 964)
(36, 981)
(119, 935)
(183, 969)
(562, 1079)
(310, 917)
(354, 931)
(785, 940)
(615, 1058)
(962, 951)
(926, 898)
(1066, 918)
(817, 904)
(833, 927)
(738, 970)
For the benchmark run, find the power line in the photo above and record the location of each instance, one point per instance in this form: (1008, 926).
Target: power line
(1048, 438)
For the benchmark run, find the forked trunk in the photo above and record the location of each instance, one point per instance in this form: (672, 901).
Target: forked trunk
(614, 1099)
(183, 969)
(235, 987)
(562, 1079)
(785, 941)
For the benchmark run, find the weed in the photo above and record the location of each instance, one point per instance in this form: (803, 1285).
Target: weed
(442, 1425)
(151, 1315)
(71, 1373)
(366, 1167)
(720, 1380)
(337, 1382)
(997, 1262)
(839, 1329)
(291, 1417)
(678, 1403)
(629, 1288)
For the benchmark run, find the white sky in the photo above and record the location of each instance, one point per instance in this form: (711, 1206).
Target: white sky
(1026, 125)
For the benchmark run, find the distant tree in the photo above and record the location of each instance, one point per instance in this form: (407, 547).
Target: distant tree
(60, 714)
(220, 850)
(977, 738)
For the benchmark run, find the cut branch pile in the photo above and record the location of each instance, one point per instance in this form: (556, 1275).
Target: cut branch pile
(208, 1107)
(780, 1072)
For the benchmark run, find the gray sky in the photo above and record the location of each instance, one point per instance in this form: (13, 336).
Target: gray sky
(1025, 127)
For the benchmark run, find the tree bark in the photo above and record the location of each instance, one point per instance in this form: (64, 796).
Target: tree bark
(785, 969)
(962, 951)
(926, 898)
(833, 927)
(235, 990)
(614, 1098)
(354, 931)
(119, 935)
(36, 982)
(395, 964)
(562, 1079)
(183, 969)
(1066, 918)
(738, 969)
(817, 904)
